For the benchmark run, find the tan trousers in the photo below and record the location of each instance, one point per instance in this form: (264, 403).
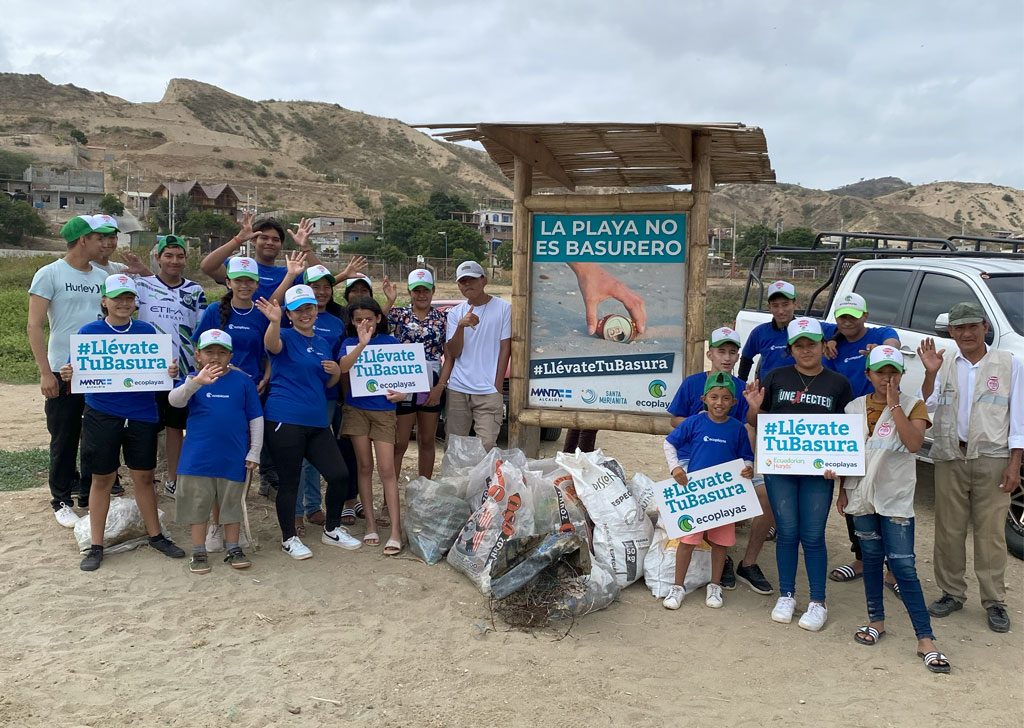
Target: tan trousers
(483, 412)
(967, 493)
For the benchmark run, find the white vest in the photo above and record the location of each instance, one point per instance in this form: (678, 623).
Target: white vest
(890, 476)
(988, 431)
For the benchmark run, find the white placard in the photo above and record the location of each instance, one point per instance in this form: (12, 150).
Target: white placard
(401, 367)
(120, 363)
(711, 497)
(810, 444)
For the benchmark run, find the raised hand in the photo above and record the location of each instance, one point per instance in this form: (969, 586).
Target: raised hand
(470, 319)
(295, 262)
(356, 265)
(754, 394)
(390, 292)
(209, 374)
(365, 331)
(246, 233)
(134, 263)
(931, 358)
(270, 309)
(301, 236)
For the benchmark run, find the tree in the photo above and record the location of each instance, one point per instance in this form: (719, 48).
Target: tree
(504, 255)
(79, 136)
(402, 223)
(798, 237)
(110, 205)
(441, 204)
(206, 224)
(754, 238)
(14, 164)
(457, 239)
(158, 214)
(17, 220)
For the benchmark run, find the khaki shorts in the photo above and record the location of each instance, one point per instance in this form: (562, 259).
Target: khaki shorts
(378, 425)
(196, 494)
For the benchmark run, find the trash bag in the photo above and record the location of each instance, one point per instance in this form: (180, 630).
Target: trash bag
(660, 565)
(435, 512)
(480, 475)
(555, 510)
(125, 530)
(582, 595)
(545, 552)
(461, 454)
(642, 489)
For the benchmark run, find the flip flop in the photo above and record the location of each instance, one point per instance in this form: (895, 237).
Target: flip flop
(392, 547)
(844, 573)
(359, 511)
(348, 517)
(868, 636)
(935, 657)
(894, 587)
(371, 539)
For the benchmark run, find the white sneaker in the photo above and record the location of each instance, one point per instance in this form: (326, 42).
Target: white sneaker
(675, 597)
(714, 596)
(296, 549)
(215, 538)
(340, 537)
(784, 609)
(814, 618)
(170, 488)
(65, 516)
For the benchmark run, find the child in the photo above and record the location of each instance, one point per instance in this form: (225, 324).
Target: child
(225, 436)
(882, 500)
(703, 441)
(372, 419)
(723, 352)
(119, 422)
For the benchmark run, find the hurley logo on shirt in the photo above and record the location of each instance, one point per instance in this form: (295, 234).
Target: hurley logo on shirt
(82, 288)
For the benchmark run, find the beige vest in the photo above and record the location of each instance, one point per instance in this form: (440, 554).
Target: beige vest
(890, 475)
(988, 431)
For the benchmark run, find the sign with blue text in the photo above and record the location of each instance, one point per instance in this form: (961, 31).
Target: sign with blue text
(711, 497)
(120, 363)
(607, 315)
(810, 444)
(382, 367)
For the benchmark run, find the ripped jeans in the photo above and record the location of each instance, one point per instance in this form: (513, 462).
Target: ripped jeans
(885, 538)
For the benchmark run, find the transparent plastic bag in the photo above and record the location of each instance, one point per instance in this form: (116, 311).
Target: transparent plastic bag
(435, 513)
(481, 474)
(125, 530)
(461, 454)
(660, 565)
(585, 594)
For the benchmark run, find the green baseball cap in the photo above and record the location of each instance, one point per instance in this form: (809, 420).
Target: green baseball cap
(720, 379)
(166, 241)
(966, 313)
(81, 225)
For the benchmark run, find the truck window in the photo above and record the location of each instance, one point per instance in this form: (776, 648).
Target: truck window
(1008, 290)
(884, 291)
(937, 294)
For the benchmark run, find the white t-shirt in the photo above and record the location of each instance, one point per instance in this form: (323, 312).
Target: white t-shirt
(74, 298)
(112, 267)
(175, 311)
(477, 365)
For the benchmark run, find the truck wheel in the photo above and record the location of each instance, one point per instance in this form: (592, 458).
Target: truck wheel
(550, 434)
(1015, 522)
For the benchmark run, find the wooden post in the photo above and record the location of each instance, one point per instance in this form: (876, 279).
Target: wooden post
(522, 436)
(697, 252)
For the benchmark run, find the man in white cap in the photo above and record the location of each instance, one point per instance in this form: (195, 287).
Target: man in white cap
(479, 343)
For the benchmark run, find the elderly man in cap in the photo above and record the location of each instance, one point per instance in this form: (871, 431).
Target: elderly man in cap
(479, 343)
(977, 395)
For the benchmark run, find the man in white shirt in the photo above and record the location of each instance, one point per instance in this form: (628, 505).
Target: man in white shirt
(479, 343)
(977, 395)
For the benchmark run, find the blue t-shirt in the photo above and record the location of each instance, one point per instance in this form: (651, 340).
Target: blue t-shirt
(771, 342)
(706, 443)
(687, 401)
(376, 402)
(330, 329)
(298, 382)
(217, 438)
(139, 406)
(270, 278)
(850, 362)
(246, 331)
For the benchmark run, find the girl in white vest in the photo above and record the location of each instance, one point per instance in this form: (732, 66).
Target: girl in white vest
(882, 500)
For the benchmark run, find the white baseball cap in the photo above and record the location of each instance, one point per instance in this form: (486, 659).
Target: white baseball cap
(724, 335)
(782, 287)
(349, 282)
(421, 278)
(317, 272)
(881, 356)
(242, 267)
(469, 269)
(117, 284)
(803, 327)
(851, 304)
(214, 336)
(297, 296)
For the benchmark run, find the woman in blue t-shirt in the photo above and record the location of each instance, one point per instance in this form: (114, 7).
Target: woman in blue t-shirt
(301, 372)
(370, 423)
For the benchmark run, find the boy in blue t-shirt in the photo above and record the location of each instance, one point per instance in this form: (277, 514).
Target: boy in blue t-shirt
(225, 436)
(703, 441)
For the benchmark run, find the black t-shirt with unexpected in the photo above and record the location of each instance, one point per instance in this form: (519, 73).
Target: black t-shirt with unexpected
(788, 392)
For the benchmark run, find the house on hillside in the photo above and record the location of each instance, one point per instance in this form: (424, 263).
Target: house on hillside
(492, 219)
(344, 229)
(220, 197)
(78, 191)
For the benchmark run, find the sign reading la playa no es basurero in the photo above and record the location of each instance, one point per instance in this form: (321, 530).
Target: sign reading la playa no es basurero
(120, 362)
(712, 497)
(399, 367)
(810, 444)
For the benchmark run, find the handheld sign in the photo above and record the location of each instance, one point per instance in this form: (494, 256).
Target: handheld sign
(120, 363)
(810, 444)
(711, 497)
(401, 367)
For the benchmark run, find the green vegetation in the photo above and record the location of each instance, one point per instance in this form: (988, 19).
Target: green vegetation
(111, 205)
(504, 255)
(23, 469)
(14, 164)
(18, 220)
(208, 224)
(16, 363)
(79, 136)
(229, 164)
(259, 170)
(416, 230)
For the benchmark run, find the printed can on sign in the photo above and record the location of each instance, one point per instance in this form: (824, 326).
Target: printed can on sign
(616, 327)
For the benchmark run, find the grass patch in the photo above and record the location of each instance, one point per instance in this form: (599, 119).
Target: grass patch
(23, 469)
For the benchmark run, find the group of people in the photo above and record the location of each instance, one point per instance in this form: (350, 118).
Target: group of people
(261, 373)
(972, 398)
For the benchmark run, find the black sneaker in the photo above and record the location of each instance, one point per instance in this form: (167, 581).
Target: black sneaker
(117, 489)
(166, 546)
(93, 559)
(237, 559)
(998, 619)
(754, 578)
(728, 575)
(944, 606)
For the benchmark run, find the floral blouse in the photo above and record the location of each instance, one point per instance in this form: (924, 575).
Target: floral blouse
(410, 330)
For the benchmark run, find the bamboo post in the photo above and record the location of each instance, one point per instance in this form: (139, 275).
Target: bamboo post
(526, 438)
(697, 252)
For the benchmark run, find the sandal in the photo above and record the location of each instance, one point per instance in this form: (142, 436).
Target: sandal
(772, 533)
(359, 511)
(348, 516)
(300, 527)
(393, 547)
(935, 661)
(371, 539)
(844, 573)
(868, 636)
(894, 587)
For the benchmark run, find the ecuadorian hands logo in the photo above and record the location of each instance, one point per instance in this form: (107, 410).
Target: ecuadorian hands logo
(128, 382)
(371, 385)
(657, 388)
(685, 523)
(819, 463)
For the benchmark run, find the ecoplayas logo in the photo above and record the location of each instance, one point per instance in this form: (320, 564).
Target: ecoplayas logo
(819, 464)
(371, 385)
(685, 523)
(657, 388)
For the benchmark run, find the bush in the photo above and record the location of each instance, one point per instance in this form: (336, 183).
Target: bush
(504, 255)
(18, 220)
(280, 175)
(111, 205)
(79, 136)
(1008, 198)
(216, 149)
(260, 171)
(229, 164)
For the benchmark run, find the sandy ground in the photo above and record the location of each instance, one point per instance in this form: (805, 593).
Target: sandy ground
(397, 643)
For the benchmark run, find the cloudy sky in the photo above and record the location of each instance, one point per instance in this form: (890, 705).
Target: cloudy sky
(917, 89)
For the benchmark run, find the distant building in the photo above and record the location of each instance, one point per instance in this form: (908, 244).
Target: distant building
(76, 190)
(492, 219)
(344, 229)
(220, 198)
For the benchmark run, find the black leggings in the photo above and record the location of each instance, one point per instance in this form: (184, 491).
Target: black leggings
(289, 444)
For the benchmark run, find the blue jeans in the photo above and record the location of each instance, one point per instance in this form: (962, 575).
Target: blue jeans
(801, 504)
(881, 538)
(309, 498)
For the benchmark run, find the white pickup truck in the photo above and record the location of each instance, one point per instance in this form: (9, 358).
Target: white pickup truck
(909, 284)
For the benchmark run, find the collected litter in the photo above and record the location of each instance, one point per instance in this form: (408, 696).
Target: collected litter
(125, 530)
